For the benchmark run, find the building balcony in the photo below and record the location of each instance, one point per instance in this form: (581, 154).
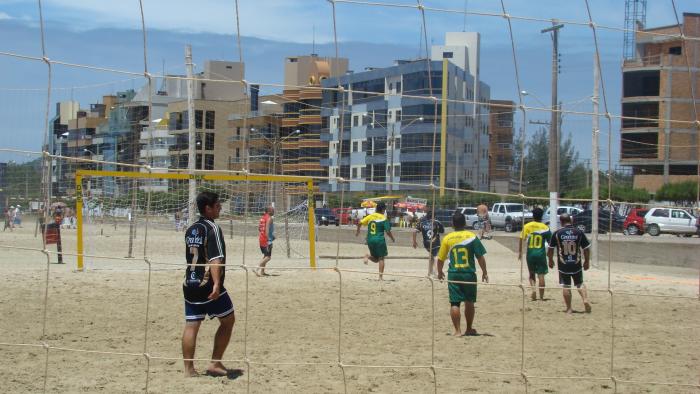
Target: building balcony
(290, 122)
(311, 94)
(154, 152)
(648, 61)
(159, 133)
(310, 119)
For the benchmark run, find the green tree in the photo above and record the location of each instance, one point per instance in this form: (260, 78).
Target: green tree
(681, 192)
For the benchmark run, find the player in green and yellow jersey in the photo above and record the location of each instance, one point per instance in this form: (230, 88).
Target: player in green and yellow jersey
(377, 224)
(536, 235)
(460, 247)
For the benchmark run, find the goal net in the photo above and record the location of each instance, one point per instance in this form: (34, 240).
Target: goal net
(136, 215)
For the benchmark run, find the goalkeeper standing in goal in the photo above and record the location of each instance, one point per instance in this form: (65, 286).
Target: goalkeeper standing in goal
(203, 287)
(377, 224)
(266, 234)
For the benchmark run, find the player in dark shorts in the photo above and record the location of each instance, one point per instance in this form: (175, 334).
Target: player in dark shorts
(203, 287)
(266, 234)
(430, 229)
(461, 248)
(570, 243)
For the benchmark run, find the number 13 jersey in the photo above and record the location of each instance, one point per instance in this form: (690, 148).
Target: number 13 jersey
(461, 247)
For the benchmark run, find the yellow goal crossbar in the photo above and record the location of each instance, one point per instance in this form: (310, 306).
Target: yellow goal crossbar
(80, 174)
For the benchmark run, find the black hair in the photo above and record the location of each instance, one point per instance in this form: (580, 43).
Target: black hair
(458, 221)
(206, 199)
(565, 218)
(428, 214)
(537, 214)
(381, 207)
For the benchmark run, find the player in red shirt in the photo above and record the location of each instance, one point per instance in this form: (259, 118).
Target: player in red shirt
(266, 230)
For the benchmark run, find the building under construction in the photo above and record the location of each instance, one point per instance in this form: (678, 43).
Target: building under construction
(659, 139)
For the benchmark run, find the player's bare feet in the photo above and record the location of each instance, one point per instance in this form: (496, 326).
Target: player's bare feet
(257, 273)
(533, 296)
(456, 334)
(366, 259)
(471, 332)
(191, 373)
(216, 369)
(569, 311)
(587, 305)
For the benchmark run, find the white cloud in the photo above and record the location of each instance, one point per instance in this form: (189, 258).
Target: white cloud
(4, 16)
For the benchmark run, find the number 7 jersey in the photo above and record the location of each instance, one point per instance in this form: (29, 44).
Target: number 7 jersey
(461, 247)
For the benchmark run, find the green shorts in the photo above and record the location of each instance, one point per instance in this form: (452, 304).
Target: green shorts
(377, 249)
(537, 265)
(461, 292)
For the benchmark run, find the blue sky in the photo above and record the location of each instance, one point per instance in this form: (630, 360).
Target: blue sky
(106, 34)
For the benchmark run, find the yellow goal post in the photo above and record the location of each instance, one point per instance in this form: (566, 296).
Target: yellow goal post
(306, 186)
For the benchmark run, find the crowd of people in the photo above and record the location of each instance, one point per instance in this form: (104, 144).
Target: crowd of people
(460, 250)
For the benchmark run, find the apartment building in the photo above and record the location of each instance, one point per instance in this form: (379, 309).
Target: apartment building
(659, 141)
(303, 150)
(388, 137)
(501, 147)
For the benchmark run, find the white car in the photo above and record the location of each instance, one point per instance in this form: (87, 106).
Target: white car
(670, 220)
(471, 216)
(561, 209)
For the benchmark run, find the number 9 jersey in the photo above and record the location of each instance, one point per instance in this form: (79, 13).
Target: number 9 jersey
(461, 247)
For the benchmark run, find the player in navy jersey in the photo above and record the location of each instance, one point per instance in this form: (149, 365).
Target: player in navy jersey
(203, 287)
(430, 229)
(570, 243)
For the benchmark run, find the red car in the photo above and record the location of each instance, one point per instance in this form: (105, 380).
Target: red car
(634, 223)
(343, 215)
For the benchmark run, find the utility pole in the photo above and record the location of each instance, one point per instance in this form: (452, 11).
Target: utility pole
(553, 162)
(594, 163)
(191, 155)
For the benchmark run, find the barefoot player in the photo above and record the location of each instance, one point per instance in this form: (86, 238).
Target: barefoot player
(377, 224)
(570, 242)
(203, 287)
(461, 246)
(536, 236)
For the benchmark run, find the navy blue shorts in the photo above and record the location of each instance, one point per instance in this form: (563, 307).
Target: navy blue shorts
(220, 307)
(266, 250)
(566, 279)
(435, 249)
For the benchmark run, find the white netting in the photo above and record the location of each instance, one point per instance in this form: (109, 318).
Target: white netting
(133, 222)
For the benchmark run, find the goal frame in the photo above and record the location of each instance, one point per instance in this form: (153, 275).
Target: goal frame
(82, 173)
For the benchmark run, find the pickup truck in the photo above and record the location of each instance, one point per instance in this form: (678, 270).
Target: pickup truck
(510, 216)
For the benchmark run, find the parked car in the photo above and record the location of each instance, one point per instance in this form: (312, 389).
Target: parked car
(444, 216)
(561, 209)
(343, 214)
(471, 216)
(583, 221)
(670, 220)
(634, 222)
(510, 216)
(324, 216)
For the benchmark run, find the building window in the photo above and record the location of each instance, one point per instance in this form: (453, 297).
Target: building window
(198, 164)
(398, 87)
(675, 51)
(198, 115)
(209, 120)
(238, 131)
(209, 141)
(447, 55)
(238, 153)
(365, 146)
(208, 162)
